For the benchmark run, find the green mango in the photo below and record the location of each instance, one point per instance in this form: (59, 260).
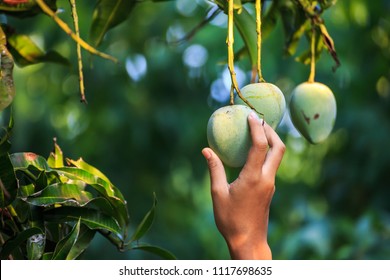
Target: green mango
(267, 99)
(313, 111)
(228, 134)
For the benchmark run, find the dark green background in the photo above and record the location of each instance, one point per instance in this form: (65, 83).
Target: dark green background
(332, 200)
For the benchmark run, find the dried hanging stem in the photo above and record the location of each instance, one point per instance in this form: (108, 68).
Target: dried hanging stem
(46, 9)
(313, 55)
(230, 42)
(79, 58)
(258, 31)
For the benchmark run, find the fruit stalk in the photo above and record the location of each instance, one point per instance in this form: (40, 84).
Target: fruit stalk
(313, 55)
(258, 31)
(230, 43)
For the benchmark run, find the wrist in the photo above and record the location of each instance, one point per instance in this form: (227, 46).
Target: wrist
(246, 249)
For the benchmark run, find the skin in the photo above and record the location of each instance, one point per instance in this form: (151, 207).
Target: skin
(241, 208)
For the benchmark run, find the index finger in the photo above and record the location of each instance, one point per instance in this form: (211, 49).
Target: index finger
(275, 152)
(258, 151)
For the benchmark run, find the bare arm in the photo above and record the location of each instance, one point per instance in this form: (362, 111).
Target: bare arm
(241, 209)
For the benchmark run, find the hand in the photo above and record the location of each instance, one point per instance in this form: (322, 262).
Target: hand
(241, 209)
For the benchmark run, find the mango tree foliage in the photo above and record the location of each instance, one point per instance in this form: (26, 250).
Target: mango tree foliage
(52, 211)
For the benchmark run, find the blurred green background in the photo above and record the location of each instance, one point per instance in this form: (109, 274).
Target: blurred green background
(145, 125)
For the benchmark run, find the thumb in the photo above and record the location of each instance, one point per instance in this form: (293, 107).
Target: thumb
(217, 171)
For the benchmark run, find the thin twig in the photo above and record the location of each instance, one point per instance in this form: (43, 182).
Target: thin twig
(46, 9)
(232, 94)
(79, 58)
(213, 12)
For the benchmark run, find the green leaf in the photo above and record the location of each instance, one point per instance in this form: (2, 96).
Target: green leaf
(26, 52)
(61, 193)
(84, 239)
(269, 20)
(56, 158)
(36, 246)
(41, 181)
(24, 160)
(5, 144)
(305, 57)
(13, 243)
(47, 256)
(23, 211)
(102, 204)
(105, 188)
(80, 163)
(146, 222)
(295, 24)
(26, 190)
(36, 179)
(237, 5)
(292, 43)
(90, 217)
(108, 14)
(163, 253)
(65, 245)
(246, 25)
(8, 182)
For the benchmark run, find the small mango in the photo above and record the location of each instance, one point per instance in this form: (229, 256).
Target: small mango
(313, 111)
(228, 134)
(267, 99)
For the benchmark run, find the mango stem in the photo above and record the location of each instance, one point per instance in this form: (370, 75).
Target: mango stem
(230, 43)
(313, 55)
(258, 31)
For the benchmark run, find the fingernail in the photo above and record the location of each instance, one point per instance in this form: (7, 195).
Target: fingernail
(255, 116)
(206, 154)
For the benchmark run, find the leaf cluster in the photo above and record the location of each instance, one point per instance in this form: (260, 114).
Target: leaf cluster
(52, 208)
(298, 18)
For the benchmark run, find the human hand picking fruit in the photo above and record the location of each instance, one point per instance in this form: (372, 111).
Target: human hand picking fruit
(241, 208)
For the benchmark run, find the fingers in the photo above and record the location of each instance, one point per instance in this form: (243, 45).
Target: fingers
(217, 172)
(259, 148)
(275, 152)
(267, 148)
